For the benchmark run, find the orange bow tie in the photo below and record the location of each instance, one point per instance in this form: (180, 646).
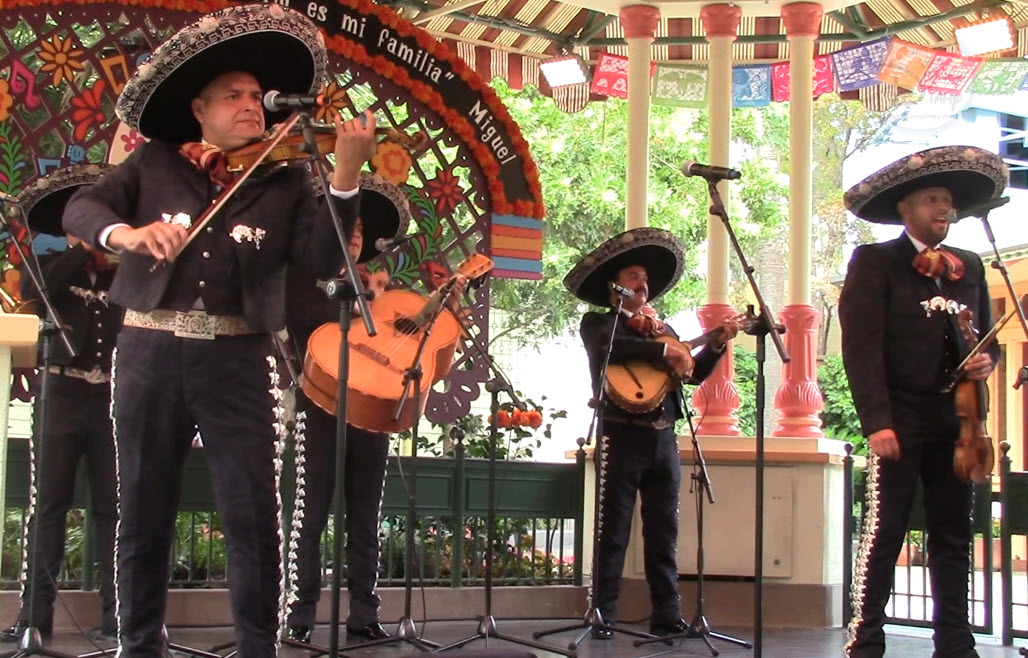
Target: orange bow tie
(939, 263)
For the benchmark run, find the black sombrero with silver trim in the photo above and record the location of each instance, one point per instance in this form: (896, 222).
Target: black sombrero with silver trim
(971, 174)
(660, 252)
(384, 211)
(43, 200)
(281, 48)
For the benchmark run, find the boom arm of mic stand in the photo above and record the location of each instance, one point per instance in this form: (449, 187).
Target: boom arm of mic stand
(1001, 266)
(717, 208)
(36, 274)
(310, 144)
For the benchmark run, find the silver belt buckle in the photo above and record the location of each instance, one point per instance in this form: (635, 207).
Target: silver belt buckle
(95, 376)
(194, 325)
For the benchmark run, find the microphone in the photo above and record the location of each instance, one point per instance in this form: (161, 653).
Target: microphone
(953, 216)
(275, 100)
(388, 244)
(627, 293)
(710, 172)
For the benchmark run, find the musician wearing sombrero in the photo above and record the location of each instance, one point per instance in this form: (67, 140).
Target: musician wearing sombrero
(78, 423)
(900, 346)
(194, 350)
(640, 451)
(307, 308)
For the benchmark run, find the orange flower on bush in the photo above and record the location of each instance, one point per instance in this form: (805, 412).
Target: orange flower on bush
(534, 419)
(88, 109)
(392, 162)
(502, 419)
(59, 58)
(517, 418)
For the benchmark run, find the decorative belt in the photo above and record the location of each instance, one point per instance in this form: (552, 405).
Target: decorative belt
(191, 324)
(94, 376)
(659, 424)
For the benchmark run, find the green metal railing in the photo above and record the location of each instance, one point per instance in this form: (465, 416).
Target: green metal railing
(538, 538)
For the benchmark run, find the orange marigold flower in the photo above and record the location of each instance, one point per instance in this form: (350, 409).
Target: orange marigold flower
(6, 99)
(59, 58)
(534, 419)
(502, 419)
(517, 418)
(392, 162)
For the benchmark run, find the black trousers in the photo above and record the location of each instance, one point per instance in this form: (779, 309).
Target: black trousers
(947, 501)
(78, 425)
(165, 388)
(366, 456)
(643, 461)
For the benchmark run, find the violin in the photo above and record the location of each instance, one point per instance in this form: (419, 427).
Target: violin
(973, 455)
(294, 147)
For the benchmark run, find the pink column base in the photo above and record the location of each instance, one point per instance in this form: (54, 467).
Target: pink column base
(798, 399)
(716, 400)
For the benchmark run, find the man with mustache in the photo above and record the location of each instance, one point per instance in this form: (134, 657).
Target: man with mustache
(640, 450)
(900, 346)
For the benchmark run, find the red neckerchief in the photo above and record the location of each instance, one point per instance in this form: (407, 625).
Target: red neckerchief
(939, 263)
(208, 158)
(645, 322)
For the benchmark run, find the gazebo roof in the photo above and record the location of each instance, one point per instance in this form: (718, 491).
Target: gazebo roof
(543, 28)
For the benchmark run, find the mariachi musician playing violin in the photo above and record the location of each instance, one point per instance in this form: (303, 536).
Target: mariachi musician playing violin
(193, 352)
(640, 452)
(900, 344)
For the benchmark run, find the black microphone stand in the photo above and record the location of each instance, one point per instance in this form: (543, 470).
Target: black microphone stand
(593, 620)
(998, 264)
(762, 325)
(700, 485)
(32, 641)
(487, 623)
(348, 290)
(406, 629)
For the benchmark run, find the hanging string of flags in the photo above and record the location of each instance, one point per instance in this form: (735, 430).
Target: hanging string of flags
(884, 61)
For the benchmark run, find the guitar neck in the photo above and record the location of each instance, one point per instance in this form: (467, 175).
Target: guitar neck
(703, 339)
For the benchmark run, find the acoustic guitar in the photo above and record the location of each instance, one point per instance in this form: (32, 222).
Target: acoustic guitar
(638, 386)
(378, 363)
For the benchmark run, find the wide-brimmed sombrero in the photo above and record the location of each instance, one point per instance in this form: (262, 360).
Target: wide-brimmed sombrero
(280, 47)
(660, 252)
(971, 174)
(43, 200)
(384, 213)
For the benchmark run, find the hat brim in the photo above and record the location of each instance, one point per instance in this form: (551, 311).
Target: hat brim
(280, 47)
(971, 174)
(659, 252)
(278, 61)
(44, 199)
(384, 213)
(967, 189)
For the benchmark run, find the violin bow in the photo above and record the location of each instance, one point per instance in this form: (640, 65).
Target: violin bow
(222, 199)
(976, 350)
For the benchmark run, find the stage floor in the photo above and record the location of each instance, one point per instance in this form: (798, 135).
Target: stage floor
(777, 643)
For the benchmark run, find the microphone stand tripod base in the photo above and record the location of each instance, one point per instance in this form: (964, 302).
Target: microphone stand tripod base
(593, 621)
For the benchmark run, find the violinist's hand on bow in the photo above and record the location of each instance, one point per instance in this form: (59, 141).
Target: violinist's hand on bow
(728, 329)
(162, 240)
(355, 145)
(979, 367)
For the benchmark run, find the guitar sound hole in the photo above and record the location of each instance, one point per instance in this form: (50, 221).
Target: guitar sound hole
(406, 326)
